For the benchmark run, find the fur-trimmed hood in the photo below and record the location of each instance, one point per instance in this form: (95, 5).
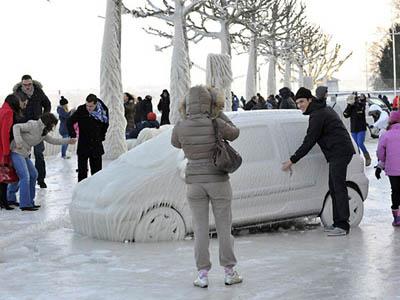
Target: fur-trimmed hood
(36, 84)
(198, 101)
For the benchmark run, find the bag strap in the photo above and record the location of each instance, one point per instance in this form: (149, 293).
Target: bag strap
(215, 126)
(214, 123)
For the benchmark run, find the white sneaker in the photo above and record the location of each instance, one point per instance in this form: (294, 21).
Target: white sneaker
(329, 228)
(337, 231)
(232, 278)
(202, 279)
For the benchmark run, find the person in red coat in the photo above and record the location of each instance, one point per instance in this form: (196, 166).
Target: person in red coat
(395, 104)
(10, 113)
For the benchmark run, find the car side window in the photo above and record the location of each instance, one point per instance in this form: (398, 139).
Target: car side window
(255, 144)
(295, 133)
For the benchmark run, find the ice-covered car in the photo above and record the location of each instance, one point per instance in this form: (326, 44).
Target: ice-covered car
(142, 195)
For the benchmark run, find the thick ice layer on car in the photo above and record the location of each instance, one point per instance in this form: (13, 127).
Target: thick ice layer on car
(142, 195)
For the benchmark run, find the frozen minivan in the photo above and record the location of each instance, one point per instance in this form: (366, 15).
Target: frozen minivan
(142, 195)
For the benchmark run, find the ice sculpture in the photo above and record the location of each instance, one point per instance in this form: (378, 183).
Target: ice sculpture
(141, 196)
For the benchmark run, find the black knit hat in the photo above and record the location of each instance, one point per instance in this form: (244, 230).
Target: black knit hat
(303, 93)
(285, 92)
(63, 101)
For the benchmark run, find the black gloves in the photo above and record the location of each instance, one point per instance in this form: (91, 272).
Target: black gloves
(378, 173)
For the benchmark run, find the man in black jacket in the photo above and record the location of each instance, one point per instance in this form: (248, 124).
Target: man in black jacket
(251, 103)
(326, 128)
(38, 104)
(286, 99)
(145, 107)
(92, 119)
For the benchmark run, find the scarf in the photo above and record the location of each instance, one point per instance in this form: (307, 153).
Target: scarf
(99, 113)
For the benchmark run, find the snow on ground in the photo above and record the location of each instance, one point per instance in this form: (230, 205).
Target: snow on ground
(42, 258)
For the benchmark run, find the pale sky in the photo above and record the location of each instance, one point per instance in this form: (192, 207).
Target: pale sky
(59, 44)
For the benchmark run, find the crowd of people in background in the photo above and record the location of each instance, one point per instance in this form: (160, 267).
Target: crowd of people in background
(284, 100)
(139, 113)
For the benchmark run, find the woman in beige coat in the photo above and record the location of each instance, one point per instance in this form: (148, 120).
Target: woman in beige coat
(26, 136)
(205, 183)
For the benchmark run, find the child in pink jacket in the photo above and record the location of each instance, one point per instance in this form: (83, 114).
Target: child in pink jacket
(389, 160)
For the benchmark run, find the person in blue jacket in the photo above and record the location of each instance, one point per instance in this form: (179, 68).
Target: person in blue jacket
(63, 115)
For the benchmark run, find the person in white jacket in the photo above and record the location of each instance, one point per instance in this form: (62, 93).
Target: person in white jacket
(380, 117)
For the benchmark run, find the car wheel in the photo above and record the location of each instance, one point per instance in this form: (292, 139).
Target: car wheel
(160, 224)
(356, 209)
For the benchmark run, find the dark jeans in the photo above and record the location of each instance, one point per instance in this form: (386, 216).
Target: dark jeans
(40, 164)
(3, 194)
(338, 191)
(95, 162)
(395, 185)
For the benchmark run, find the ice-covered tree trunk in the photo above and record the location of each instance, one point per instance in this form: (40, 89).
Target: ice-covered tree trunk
(308, 82)
(226, 49)
(271, 84)
(251, 80)
(219, 75)
(110, 81)
(288, 74)
(301, 75)
(225, 38)
(180, 69)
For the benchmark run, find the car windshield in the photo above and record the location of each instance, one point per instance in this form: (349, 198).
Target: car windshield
(377, 102)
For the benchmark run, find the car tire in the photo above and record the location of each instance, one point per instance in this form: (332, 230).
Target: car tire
(160, 224)
(356, 204)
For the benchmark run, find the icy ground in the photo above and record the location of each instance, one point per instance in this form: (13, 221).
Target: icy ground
(42, 258)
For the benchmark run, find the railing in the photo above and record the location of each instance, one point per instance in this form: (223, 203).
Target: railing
(51, 150)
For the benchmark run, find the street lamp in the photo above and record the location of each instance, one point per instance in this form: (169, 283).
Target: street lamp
(394, 59)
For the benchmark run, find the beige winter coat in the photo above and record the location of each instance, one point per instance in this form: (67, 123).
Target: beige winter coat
(29, 134)
(195, 134)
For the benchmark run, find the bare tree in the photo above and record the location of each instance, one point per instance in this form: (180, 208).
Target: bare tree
(293, 22)
(380, 52)
(174, 12)
(381, 63)
(396, 9)
(227, 14)
(223, 12)
(323, 59)
(281, 18)
(306, 51)
(270, 42)
(255, 21)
